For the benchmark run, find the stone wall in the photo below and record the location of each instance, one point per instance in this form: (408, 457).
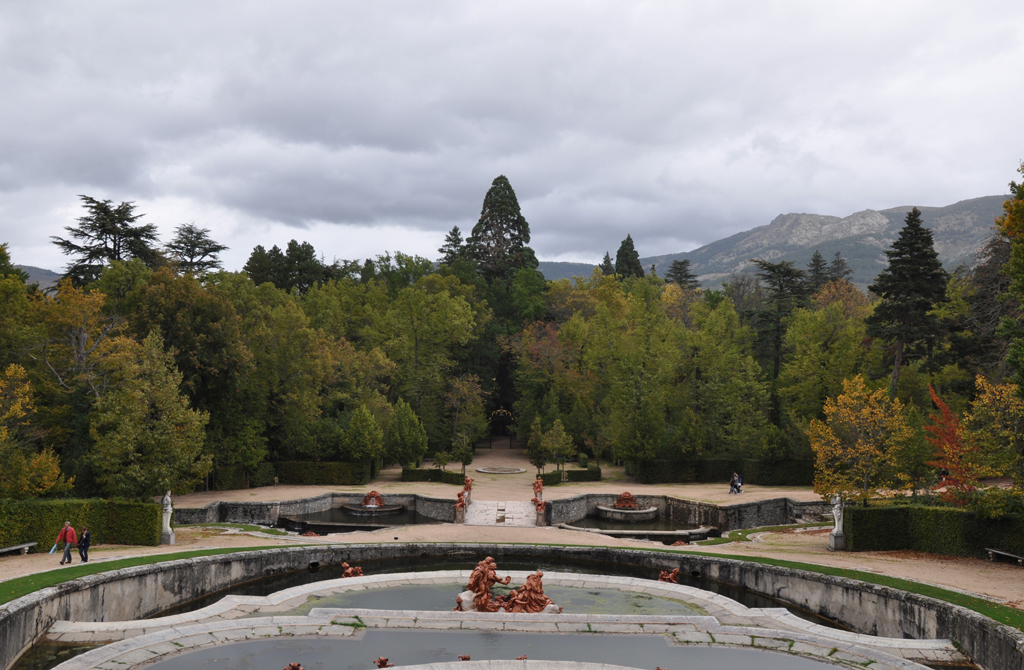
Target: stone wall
(267, 513)
(774, 512)
(142, 591)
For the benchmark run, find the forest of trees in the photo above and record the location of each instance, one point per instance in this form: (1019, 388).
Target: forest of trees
(150, 368)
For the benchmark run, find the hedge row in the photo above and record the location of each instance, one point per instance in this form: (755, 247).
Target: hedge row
(232, 477)
(786, 473)
(433, 475)
(324, 473)
(591, 474)
(109, 521)
(935, 530)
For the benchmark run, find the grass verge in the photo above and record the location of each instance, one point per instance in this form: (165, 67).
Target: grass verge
(22, 586)
(743, 535)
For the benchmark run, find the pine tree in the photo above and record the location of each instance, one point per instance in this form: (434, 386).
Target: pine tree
(607, 267)
(679, 273)
(627, 260)
(193, 250)
(453, 248)
(500, 238)
(107, 233)
(817, 272)
(838, 269)
(909, 288)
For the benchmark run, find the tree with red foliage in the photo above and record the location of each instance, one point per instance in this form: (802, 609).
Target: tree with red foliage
(956, 457)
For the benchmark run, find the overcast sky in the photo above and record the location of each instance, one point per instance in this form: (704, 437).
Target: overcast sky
(371, 126)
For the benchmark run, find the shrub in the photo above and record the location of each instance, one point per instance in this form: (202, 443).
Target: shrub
(264, 475)
(938, 530)
(109, 521)
(582, 460)
(552, 478)
(432, 475)
(324, 472)
(592, 474)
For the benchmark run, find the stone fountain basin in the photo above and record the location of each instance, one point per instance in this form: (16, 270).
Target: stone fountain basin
(636, 515)
(379, 509)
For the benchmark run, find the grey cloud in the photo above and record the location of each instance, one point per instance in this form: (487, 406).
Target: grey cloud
(678, 123)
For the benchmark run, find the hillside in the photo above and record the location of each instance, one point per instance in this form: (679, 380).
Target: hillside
(45, 278)
(862, 238)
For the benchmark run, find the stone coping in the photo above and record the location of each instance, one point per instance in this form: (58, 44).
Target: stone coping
(861, 605)
(145, 649)
(721, 608)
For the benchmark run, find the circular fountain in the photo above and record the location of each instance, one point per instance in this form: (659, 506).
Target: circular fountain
(373, 504)
(627, 508)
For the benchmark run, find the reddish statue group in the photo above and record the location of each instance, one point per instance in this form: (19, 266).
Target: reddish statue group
(538, 487)
(373, 499)
(294, 666)
(540, 504)
(460, 500)
(671, 577)
(626, 501)
(351, 570)
(382, 662)
(528, 598)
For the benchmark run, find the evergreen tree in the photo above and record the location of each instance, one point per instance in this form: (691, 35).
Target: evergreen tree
(8, 269)
(265, 266)
(453, 248)
(500, 238)
(295, 268)
(838, 269)
(363, 439)
(679, 273)
(817, 273)
(909, 288)
(627, 260)
(607, 267)
(407, 439)
(193, 250)
(786, 290)
(106, 233)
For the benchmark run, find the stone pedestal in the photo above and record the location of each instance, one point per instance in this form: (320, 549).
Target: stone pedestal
(167, 537)
(837, 541)
(541, 518)
(460, 515)
(469, 496)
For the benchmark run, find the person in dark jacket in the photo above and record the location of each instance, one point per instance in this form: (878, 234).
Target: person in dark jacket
(83, 544)
(68, 537)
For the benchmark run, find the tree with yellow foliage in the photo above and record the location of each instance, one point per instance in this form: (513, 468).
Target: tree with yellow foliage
(856, 445)
(24, 473)
(996, 424)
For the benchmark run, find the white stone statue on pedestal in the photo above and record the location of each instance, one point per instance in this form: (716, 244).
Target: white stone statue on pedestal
(837, 539)
(166, 533)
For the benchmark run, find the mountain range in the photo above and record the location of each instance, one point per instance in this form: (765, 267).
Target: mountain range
(862, 238)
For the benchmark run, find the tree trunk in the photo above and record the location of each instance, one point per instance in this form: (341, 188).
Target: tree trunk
(897, 362)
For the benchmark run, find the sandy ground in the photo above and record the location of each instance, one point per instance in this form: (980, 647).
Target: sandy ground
(1001, 581)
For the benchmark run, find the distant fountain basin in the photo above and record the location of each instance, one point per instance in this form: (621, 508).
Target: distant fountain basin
(376, 510)
(631, 515)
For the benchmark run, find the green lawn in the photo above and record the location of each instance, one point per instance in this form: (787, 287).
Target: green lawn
(241, 526)
(22, 586)
(743, 535)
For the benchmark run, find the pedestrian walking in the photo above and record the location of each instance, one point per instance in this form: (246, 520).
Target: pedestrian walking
(68, 537)
(734, 484)
(83, 544)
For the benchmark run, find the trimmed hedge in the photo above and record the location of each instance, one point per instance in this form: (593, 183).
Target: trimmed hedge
(591, 474)
(552, 478)
(324, 473)
(433, 475)
(109, 521)
(753, 471)
(936, 530)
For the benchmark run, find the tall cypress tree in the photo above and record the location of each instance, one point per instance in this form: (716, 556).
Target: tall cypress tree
(607, 267)
(838, 268)
(912, 285)
(500, 238)
(627, 260)
(817, 272)
(679, 272)
(453, 248)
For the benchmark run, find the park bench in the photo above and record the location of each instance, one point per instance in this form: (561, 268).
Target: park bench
(992, 553)
(23, 547)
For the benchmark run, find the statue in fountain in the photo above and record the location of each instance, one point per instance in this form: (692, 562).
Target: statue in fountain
(464, 658)
(626, 501)
(382, 662)
(530, 597)
(294, 666)
(351, 570)
(484, 576)
(373, 499)
(670, 577)
(166, 532)
(538, 487)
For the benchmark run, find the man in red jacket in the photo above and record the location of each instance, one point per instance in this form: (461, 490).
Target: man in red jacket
(68, 537)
